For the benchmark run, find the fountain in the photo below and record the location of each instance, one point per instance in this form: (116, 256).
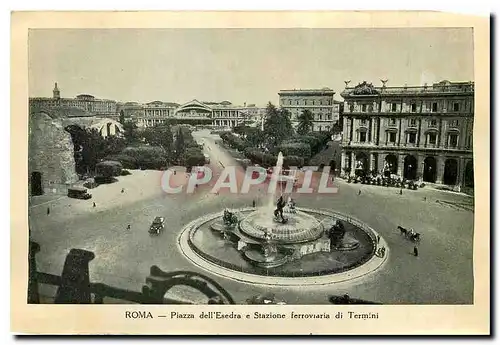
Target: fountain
(267, 238)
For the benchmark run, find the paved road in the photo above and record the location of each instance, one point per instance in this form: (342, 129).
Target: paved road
(441, 274)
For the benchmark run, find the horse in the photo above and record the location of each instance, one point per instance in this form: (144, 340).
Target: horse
(410, 234)
(403, 230)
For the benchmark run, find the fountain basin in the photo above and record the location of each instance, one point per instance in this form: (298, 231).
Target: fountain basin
(229, 252)
(299, 228)
(261, 260)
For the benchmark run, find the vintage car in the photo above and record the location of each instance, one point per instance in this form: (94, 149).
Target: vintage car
(157, 226)
(78, 193)
(266, 298)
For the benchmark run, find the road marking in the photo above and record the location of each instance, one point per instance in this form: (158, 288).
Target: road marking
(48, 202)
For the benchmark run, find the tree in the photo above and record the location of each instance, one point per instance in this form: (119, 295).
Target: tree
(305, 122)
(93, 149)
(159, 136)
(240, 129)
(277, 125)
(194, 157)
(113, 145)
(180, 145)
(130, 132)
(254, 137)
(336, 128)
(122, 117)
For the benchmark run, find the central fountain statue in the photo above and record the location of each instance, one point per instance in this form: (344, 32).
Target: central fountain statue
(280, 205)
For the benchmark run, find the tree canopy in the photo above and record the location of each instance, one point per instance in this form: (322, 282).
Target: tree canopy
(160, 135)
(130, 132)
(305, 122)
(277, 125)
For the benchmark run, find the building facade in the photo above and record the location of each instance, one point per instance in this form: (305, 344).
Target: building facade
(319, 102)
(420, 133)
(98, 107)
(217, 115)
(255, 115)
(155, 113)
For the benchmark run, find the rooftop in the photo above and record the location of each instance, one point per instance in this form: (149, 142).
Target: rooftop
(322, 90)
(445, 86)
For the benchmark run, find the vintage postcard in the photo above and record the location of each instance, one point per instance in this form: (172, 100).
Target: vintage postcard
(250, 173)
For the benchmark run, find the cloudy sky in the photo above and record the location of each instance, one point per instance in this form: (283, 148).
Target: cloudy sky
(239, 65)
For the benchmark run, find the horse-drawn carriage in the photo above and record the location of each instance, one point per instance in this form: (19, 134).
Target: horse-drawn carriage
(410, 234)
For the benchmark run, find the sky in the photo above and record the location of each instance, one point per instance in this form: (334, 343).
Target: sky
(239, 65)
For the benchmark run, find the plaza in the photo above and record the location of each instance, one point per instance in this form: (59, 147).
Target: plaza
(441, 274)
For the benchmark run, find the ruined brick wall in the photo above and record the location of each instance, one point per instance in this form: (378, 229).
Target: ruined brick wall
(51, 153)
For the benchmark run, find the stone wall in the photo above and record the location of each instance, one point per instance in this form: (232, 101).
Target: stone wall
(51, 153)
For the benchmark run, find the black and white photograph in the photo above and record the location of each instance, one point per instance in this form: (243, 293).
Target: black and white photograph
(252, 166)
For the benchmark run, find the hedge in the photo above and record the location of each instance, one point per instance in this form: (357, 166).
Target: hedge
(261, 158)
(315, 140)
(300, 149)
(194, 157)
(233, 141)
(128, 162)
(267, 160)
(108, 169)
(293, 161)
(147, 157)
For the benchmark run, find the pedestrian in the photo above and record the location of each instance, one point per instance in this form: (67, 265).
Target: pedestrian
(425, 198)
(93, 204)
(128, 227)
(359, 192)
(378, 239)
(48, 211)
(123, 190)
(401, 191)
(253, 203)
(415, 251)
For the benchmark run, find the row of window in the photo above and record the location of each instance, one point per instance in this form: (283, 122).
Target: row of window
(306, 102)
(413, 122)
(413, 107)
(228, 114)
(320, 117)
(84, 105)
(411, 138)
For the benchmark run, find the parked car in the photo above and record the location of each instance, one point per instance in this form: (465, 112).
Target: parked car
(79, 193)
(157, 226)
(266, 298)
